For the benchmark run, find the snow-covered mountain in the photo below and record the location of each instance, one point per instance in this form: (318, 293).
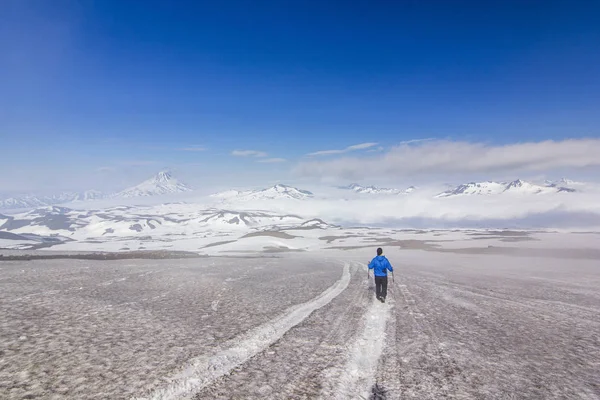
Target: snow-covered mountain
(31, 201)
(161, 183)
(124, 220)
(564, 182)
(275, 192)
(23, 202)
(89, 195)
(493, 188)
(375, 190)
(154, 225)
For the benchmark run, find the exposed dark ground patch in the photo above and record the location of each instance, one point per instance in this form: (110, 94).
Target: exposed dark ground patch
(405, 244)
(501, 233)
(280, 249)
(219, 243)
(507, 239)
(589, 254)
(151, 254)
(276, 234)
(572, 253)
(378, 392)
(331, 239)
(12, 236)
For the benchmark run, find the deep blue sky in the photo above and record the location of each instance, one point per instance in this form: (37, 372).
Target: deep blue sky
(116, 84)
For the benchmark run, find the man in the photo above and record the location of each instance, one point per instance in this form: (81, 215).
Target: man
(380, 266)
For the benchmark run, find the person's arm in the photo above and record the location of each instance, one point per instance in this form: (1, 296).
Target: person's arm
(371, 264)
(389, 266)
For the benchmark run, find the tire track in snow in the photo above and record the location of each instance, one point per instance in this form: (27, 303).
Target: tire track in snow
(421, 369)
(358, 375)
(294, 366)
(203, 370)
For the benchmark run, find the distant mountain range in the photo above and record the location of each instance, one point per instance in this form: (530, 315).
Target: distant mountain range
(375, 190)
(165, 183)
(272, 193)
(161, 183)
(496, 188)
(30, 201)
(164, 223)
(564, 182)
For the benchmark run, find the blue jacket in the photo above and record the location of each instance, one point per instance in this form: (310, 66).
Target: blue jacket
(380, 264)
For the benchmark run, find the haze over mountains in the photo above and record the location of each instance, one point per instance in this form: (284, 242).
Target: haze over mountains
(164, 183)
(278, 191)
(376, 190)
(481, 203)
(515, 187)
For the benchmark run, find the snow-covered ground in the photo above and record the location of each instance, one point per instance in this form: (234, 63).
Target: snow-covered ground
(470, 314)
(276, 303)
(519, 204)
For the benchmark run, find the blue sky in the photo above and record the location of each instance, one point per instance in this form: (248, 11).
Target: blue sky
(100, 93)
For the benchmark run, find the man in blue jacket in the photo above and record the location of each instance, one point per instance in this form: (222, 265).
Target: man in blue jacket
(380, 266)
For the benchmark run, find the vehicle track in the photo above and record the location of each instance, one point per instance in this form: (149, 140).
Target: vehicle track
(415, 364)
(482, 338)
(204, 370)
(309, 354)
(356, 378)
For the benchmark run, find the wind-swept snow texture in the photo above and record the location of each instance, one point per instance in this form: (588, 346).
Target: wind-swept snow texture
(357, 376)
(203, 370)
(462, 320)
(73, 329)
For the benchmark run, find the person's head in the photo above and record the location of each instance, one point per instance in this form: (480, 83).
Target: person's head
(379, 251)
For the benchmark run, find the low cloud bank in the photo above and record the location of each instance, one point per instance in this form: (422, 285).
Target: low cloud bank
(560, 210)
(443, 158)
(546, 220)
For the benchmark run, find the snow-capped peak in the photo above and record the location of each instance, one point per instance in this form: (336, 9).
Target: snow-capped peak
(161, 183)
(278, 191)
(563, 182)
(375, 190)
(517, 183)
(89, 195)
(163, 177)
(32, 201)
(490, 188)
(286, 191)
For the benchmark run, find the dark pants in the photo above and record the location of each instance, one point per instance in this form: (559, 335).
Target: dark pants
(381, 286)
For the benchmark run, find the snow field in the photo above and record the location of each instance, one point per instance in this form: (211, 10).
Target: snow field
(202, 371)
(357, 376)
(458, 324)
(74, 329)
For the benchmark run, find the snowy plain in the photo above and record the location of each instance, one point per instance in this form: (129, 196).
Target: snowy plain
(461, 321)
(494, 296)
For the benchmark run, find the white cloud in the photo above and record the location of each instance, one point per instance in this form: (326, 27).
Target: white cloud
(416, 140)
(272, 160)
(443, 157)
(348, 149)
(248, 153)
